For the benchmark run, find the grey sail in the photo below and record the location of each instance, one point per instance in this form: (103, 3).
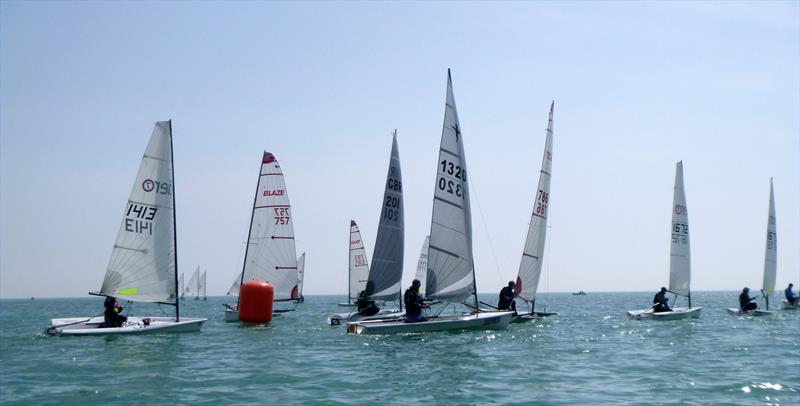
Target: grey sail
(451, 274)
(383, 282)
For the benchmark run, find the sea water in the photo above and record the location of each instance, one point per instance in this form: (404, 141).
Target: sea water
(590, 353)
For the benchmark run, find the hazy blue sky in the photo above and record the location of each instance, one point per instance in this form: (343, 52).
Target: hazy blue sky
(637, 86)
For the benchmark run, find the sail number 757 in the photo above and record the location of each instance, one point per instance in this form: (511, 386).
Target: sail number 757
(282, 215)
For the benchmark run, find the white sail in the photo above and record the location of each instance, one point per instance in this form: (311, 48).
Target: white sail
(234, 289)
(301, 269)
(358, 268)
(530, 267)
(193, 284)
(143, 262)
(680, 271)
(771, 251)
(451, 275)
(386, 272)
(422, 265)
(270, 253)
(202, 286)
(180, 286)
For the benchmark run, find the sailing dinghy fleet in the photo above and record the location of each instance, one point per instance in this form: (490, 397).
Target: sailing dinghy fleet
(144, 263)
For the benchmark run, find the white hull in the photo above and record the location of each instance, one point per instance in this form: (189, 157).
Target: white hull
(786, 306)
(477, 321)
(342, 318)
(677, 313)
(735, 311)
(231, 315)
(77, 326)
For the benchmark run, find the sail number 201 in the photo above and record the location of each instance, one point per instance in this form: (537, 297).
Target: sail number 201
(449, 186)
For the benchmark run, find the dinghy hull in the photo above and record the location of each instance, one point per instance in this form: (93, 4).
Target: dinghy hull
(343, 318)
(135, 325)
(786, 306)
(734, 311)
(677, 313)
(523, 318)
(478, 321)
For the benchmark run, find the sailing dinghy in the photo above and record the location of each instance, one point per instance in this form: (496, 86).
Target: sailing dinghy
(680, 271)
(270, 253)
(383, 279)
(770, 264)
(301, 272)
(530, 267)
(451, 274)
(144, 261)
(358, 267)
(202, 286)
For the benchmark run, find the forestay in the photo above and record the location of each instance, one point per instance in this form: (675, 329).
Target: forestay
(771, 251)
(422, 266)
(383, 282)
(358, 266)
(680, 272)
(530, 267)
(270, 252)
(143, 262)
(450, 266)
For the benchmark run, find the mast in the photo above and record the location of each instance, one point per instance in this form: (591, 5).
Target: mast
(249, 230)
(174, 225)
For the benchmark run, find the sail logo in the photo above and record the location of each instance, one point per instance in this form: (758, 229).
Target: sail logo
(354, 242)
(549, 156)
(149, 185)
(268, 193)
(680, 209)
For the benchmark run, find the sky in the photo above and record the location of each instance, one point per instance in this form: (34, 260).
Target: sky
(637, 87)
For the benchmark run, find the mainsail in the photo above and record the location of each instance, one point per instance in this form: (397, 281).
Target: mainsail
(193, 286)
(358, 266)
(680, 271)
(422, 265)
(143, 263)
(301, 268)
(270, 254)
(771, 251)
(234, 289)
(451, 275)
(201, 288)
(383, 282)
(530, 267)
(180, 286)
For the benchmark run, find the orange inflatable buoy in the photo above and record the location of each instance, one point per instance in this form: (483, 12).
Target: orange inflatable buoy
(255, 302)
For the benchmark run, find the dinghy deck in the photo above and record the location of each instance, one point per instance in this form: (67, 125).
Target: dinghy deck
(77, 326)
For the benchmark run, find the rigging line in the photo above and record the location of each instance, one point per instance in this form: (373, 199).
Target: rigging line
(488, 237)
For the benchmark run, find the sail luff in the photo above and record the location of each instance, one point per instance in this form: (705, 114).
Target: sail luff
(143, 263)
(771, 249)
(530, 267)
(386, 272)
(451, 276)
(680, 272)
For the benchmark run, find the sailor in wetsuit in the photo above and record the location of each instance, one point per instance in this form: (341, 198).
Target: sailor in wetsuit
(790, 296)
(660, 301)
(366, 307)
(745, 299)
(414, 303)
(506, 298)
(112, 316)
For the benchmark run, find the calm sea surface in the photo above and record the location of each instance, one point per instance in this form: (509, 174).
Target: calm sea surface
(589, 354)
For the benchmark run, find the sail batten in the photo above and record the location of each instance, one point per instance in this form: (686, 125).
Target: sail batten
(530, 267)
(450, 275)
(386, 271)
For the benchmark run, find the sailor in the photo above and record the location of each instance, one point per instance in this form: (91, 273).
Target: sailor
(112, 316)
(745, 299)
(414, 303)
(506, 300)
(660, 301)
(366, 307)
(790, 296)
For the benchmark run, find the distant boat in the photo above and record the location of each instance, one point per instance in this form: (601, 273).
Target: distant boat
(357, 266)
(451, 274)
(301, 272)
(270, 253)
(680, 271)
(579, 293)
(530, 266)
(193, 286)
(202, 287)
(144, 261)
(422, 266)
(180, 286)
(770, 264)
(386, 272)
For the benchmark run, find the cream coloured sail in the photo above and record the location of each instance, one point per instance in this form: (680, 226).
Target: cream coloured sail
(383, 281)
(270, 254)
(680, 270)
(422, 265)
(358, 266)
(143, 262)
(771, 251)
(451, 276)
(530, 267)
